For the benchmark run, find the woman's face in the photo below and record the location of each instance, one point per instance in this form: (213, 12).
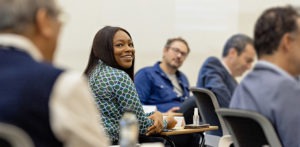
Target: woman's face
(123, 49)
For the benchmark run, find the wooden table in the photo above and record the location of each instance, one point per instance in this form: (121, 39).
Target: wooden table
(173, 114)
(187, 131)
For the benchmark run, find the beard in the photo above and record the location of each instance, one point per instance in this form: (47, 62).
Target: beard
(174, 66)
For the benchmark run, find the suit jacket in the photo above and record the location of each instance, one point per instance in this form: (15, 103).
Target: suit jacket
(214, 76)
(25, 90)
(51, 105)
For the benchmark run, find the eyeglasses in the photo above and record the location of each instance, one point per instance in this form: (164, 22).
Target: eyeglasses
(59, 15)
(177, 51)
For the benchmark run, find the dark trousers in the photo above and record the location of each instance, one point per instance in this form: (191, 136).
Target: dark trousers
(186, 140)
(187, 108)
(4, 143)
(149, 139)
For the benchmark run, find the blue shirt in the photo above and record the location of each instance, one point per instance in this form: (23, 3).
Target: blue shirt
(272, 92)
(155, 88)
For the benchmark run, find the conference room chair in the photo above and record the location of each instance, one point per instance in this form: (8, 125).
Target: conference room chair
(12, 136)
(207, 104)
(249, 129)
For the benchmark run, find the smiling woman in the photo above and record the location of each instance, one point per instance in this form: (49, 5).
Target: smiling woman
(110, 73)
(123, 49)
(111, 43)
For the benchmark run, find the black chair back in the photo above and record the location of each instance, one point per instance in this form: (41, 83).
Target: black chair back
(207, 104)
(13, 136)
(4, 143)
(249, 129)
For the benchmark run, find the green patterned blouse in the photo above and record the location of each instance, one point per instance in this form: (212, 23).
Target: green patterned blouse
(114, 91)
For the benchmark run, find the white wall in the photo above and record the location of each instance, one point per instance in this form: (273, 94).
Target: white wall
(205, 24)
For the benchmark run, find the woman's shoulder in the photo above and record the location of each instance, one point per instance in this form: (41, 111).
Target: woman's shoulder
(105, 71)
(114, 72)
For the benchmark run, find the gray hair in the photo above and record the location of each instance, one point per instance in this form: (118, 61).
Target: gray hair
(238, 42)
(17, 15)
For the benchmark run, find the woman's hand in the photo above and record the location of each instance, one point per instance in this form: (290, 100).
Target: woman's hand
(157, 126)
(171, 121)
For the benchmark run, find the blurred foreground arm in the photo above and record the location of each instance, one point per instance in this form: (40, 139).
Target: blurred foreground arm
(73, 114)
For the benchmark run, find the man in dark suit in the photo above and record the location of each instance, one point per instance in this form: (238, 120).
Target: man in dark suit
(219, 75)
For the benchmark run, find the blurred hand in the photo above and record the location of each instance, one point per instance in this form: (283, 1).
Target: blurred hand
(157, 126)
(171, 121)
(173, 110)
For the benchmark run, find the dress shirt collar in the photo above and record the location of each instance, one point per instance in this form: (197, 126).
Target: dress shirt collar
(226, 67)
(21, 43)
(276, 68)
(158, 69)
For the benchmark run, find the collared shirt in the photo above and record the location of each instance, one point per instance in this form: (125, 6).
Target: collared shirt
(68, 121)
(114, 92)
(226, 67)
(275, 67)
(270, 91)
(21, 43)
(155, 88)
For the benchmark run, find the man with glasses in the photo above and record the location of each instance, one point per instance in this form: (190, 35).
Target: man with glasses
(53, 106)
(219, 75)
(163, 85)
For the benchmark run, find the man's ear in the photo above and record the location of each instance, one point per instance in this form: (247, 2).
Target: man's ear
(286, 42)
(166, 49)
(232, 52)
(43, 23)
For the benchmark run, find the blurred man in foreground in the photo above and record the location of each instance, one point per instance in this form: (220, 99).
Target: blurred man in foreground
(53, 106)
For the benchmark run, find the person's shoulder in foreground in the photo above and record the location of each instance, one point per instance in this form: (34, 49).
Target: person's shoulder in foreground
(54, 107)
(272, 88)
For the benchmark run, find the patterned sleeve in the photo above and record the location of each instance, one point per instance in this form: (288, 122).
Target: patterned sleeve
(148, 114)
(127, 97)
